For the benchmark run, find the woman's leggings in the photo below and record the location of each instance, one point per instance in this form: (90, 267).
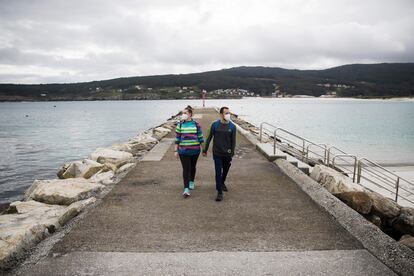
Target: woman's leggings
(189, 163)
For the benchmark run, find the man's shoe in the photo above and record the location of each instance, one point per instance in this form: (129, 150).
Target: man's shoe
(224, 188)
(219, 197)
(186, 193)
(191, 185)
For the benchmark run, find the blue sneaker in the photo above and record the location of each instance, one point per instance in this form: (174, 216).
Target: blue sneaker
(191, 185)
(186, 192)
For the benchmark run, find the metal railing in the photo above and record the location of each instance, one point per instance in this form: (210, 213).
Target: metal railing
(300, 148)
(291, 145)
(320, 146)
(345, 168)
(262, 127)
(330, 153)
(364, 169)
(375, 174)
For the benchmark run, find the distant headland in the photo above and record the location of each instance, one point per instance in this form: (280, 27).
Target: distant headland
(385, 80)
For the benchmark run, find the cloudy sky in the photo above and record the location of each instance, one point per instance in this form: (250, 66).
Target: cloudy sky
(45, 41)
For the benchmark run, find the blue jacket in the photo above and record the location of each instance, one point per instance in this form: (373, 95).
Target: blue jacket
(224, 135)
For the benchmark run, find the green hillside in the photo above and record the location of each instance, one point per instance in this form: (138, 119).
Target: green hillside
(355, 80)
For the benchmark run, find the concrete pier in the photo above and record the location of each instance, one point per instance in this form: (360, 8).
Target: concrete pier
(266, 225)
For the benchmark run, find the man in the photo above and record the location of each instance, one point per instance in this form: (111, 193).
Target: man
(224, 133)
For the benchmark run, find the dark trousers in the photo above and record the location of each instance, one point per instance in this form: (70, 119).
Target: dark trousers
(222, 165)
(189, 163)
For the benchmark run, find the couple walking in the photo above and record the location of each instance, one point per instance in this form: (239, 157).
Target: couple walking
(189, 143)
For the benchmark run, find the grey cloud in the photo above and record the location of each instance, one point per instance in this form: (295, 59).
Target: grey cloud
(61, 41)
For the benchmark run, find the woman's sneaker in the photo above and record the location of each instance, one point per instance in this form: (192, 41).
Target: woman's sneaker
(191, 185)
(186, 192)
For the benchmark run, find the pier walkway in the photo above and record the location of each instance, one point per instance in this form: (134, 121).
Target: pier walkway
(265, 225)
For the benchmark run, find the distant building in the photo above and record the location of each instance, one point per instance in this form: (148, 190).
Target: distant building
(329, 94)
(233, 91)
(328, 85)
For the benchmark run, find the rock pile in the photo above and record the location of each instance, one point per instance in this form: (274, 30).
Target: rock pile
(334, 181)
(393, 219)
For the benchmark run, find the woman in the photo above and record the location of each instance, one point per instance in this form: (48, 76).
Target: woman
(189, 139)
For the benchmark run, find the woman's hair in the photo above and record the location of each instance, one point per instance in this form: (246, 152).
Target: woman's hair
(189, 109)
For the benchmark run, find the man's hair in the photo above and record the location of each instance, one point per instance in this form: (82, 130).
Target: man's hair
(222, 109)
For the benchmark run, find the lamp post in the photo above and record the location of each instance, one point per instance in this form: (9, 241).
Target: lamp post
(203, 96)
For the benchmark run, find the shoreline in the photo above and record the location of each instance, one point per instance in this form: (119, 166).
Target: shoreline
(104, 100)
(384, 98)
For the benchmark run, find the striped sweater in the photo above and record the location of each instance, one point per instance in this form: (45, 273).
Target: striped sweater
(189, 137)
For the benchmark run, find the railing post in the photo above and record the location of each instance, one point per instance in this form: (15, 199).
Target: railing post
(261, 130)
(307, 154)
(274, 142)
(328, 157)
(359, 172)
(303, 150)
(355, 165)
(397, 186)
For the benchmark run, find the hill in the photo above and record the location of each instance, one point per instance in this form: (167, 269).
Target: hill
(354, 80)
